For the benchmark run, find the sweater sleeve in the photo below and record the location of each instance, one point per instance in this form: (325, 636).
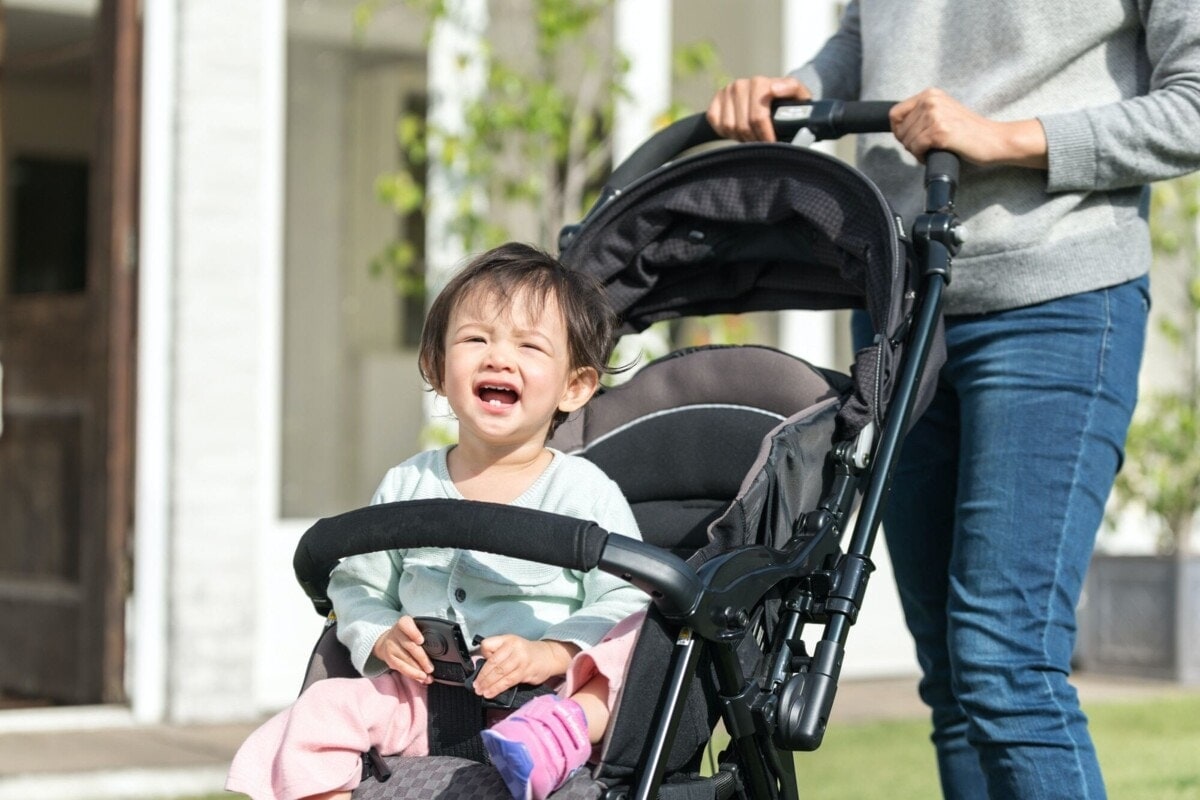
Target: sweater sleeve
(606, 598)
(1145, 138)
(363, 591)
(835, 71)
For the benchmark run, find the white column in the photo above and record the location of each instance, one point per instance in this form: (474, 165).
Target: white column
(457, 75)
(226, 273)
(642, 33)
(147, 649)
(457, 66)
(286, 625)
(806, 24)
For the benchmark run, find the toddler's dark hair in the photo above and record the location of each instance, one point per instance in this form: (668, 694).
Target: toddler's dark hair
(519, 269)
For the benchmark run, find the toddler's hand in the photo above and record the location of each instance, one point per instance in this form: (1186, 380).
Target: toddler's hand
(512, 660)
(400, 648)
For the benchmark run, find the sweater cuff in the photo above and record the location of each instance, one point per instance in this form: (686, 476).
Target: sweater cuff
(809, 77)
(1071, 151)
(582, 632)
(360, 639)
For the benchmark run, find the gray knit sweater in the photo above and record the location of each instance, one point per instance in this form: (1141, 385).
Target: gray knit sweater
(1116, 86)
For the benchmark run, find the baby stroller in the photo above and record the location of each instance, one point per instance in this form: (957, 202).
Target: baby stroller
(744, 465)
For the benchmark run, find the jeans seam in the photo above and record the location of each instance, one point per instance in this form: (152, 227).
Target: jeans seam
(1075, 482)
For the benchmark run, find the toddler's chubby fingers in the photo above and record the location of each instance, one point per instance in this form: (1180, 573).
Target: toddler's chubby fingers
(494, 679)
(506, 665)
(496, 675)
(400, 648)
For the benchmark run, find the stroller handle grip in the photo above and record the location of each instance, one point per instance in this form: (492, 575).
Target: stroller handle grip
(827, 119)
(941, 165)
(830, 119)
(533, 535)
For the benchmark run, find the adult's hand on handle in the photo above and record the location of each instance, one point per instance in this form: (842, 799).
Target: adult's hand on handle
(742, 110)
(933, 120)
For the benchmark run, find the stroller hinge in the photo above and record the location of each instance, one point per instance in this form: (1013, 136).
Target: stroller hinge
(839, 590)
(937, 233)
(838, 500)
(850, 586)
(854, 455)
(807, 699)
(937, 237)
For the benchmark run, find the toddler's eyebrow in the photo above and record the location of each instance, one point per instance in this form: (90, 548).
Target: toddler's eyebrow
(534, 333)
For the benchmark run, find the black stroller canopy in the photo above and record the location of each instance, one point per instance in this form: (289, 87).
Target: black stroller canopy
(756, 227)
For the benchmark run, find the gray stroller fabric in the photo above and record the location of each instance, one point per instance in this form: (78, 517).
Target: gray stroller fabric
(447, 778)
(684, 435)
(458, 779)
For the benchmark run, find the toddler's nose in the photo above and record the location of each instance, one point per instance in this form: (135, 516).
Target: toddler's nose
(500, 356)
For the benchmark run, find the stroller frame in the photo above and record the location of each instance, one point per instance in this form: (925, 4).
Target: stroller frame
(709, 609)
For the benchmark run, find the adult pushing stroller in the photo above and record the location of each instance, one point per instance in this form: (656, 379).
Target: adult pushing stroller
(744, 465)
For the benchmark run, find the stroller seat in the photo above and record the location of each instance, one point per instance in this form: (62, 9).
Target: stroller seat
(679, 438)
(683, 433)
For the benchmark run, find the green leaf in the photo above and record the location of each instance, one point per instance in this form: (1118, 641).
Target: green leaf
(400, 191)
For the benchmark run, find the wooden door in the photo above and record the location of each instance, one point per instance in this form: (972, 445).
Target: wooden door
(66, 350)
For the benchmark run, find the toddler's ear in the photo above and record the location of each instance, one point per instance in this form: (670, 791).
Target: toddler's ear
(432, 376)
(580, 388)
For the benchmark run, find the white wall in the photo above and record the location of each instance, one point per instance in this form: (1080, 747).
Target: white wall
(350, 398)
(219, 364)
(220, 629)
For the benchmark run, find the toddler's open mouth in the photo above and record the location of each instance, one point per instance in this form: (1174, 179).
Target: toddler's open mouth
(497, 395)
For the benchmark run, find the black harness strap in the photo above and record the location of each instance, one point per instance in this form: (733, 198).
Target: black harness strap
(455, 719)
(456, 716)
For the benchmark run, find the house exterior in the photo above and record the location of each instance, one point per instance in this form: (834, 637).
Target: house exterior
(243, 372)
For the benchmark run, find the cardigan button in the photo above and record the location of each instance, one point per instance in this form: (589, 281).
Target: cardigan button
(460, 595)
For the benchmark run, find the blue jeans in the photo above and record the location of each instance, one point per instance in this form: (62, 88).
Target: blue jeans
(991, 521)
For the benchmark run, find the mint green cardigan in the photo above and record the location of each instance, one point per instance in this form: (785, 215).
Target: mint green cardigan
(487, 594)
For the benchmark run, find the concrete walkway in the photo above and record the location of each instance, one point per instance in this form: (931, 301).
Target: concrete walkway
(97, 753)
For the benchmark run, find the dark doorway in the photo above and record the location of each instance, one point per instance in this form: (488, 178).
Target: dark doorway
(68, 168)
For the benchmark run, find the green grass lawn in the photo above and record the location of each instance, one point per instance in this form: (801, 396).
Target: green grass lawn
(1149, 750)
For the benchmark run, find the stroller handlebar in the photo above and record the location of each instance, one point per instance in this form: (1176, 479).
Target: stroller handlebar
(539, 536)
(826, 119)
(831, 119)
